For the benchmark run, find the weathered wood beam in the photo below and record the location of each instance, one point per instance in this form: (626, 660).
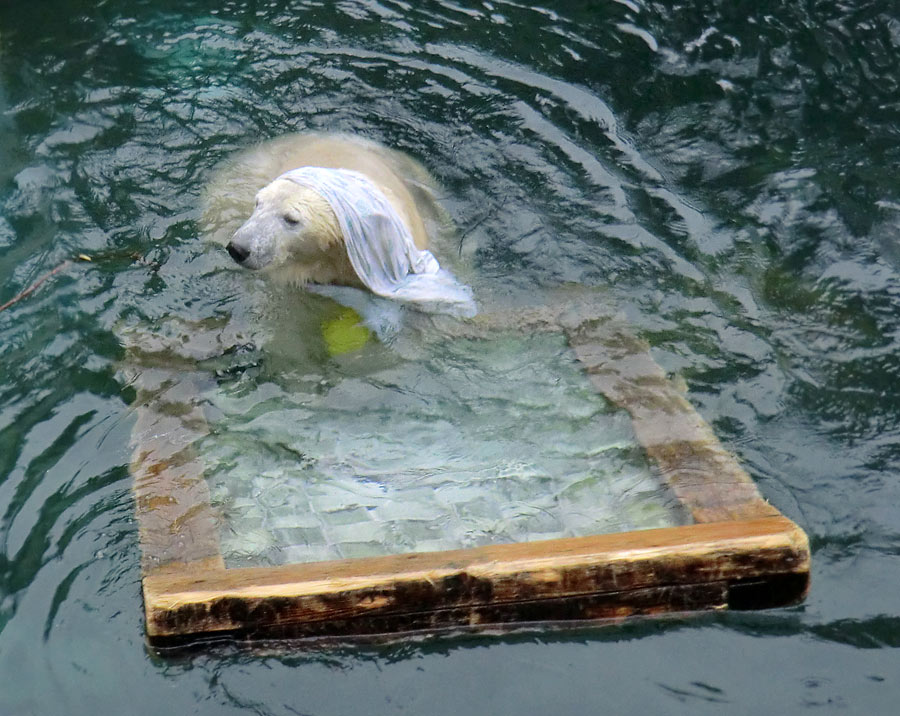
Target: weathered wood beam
(705, 477)
(176, 522)
(601, 576)
(741, 552)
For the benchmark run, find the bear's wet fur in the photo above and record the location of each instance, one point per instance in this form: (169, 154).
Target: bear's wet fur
(292, 234)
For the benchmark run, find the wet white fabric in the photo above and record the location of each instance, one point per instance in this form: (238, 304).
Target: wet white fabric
(380, 246)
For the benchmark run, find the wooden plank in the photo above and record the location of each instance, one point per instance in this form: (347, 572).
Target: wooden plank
(742, 553)
(705, 477)
(631, 571)
(176, 521)
(576, 611)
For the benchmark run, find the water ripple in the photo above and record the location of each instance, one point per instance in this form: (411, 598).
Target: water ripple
(725, 172)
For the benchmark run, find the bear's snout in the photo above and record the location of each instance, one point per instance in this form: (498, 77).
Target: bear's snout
(253, 245)
(237, 252)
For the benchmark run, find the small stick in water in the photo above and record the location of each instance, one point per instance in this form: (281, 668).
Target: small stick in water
(33, 287)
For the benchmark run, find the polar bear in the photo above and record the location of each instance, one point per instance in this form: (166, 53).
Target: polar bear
(292, 234)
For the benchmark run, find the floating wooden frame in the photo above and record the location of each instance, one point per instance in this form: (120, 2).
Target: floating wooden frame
(740, 552)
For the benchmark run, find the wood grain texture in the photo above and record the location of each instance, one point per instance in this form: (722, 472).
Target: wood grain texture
(741, 553)
(542, 613)
(176, 521)
(705, 477)
(601, 576)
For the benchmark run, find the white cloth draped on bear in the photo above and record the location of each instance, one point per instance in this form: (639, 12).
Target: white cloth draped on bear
(380, 246)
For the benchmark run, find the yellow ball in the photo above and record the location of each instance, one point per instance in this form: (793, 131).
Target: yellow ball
(345, 333)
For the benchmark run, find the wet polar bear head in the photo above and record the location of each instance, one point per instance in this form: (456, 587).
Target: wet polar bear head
(293, 234)
(350, 212)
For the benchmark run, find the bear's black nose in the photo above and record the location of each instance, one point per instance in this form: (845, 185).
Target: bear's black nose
(238, 253)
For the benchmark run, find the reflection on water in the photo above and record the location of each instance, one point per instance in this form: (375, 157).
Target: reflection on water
(727, 170)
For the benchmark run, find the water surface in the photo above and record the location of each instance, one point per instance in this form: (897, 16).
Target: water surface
(725, 172)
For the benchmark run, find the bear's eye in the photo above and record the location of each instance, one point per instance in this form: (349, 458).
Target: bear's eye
(290, 220)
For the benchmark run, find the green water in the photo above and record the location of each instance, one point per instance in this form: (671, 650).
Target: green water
(725, 172)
